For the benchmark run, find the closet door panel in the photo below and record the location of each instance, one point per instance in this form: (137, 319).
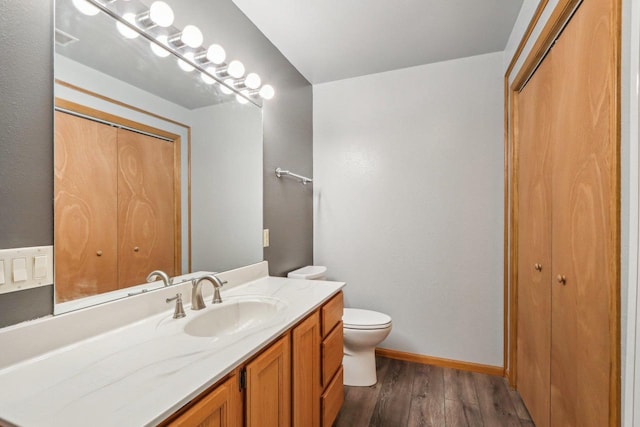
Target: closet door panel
(534, 243)
(146, 207)
(584, 225)
(85, 188)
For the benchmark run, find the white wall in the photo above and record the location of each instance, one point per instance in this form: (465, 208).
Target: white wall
(226, 229)
(409, 200)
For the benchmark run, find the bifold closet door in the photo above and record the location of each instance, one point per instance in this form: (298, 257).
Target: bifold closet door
(85, 205)
(584, 228)
(146, 207)
(534, 243)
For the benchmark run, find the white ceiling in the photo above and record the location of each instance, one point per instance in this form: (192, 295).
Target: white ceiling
(330, 40)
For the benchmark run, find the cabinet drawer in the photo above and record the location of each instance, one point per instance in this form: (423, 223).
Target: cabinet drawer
(332, 313)
(332, 400)
(332, 352)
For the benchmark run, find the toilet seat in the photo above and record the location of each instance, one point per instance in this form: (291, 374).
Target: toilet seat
(355, 318)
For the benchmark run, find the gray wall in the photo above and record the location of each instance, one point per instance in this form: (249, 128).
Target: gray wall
(26, 150)
(26, 120)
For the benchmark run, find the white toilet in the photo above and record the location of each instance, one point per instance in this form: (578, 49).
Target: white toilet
(363, 331)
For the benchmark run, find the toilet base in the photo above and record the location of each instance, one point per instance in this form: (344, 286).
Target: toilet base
(360, 368)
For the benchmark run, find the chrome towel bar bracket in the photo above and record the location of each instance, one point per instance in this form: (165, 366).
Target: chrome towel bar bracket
(303, 179)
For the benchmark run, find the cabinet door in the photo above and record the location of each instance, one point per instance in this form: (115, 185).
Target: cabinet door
(269, 387)
(85, 187)
(306, 372)
(217, 409)
(585, 230)
(146, 207)
(534, 243)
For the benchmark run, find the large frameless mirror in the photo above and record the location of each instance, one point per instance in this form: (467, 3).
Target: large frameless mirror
(158, 151)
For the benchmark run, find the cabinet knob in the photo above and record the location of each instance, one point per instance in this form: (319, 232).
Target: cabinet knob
(537, 266)
(136, 249)
(562, 279)
(99, 253)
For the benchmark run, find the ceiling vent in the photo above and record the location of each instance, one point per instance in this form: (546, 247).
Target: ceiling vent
(64, 39)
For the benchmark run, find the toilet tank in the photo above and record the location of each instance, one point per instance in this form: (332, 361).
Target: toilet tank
(310, 272)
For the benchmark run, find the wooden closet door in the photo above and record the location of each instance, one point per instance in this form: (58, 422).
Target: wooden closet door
(85, 188)
(585, 230)
(534, 243)
(146, 207)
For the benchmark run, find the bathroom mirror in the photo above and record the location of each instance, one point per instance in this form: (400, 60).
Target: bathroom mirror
(157, 166)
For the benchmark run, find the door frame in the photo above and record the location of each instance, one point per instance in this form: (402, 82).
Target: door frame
(551, 30)
(175, 139)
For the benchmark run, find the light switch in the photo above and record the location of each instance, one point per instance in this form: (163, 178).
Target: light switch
(19, 269)
(40, 267)
(1, 272)
(265, 238)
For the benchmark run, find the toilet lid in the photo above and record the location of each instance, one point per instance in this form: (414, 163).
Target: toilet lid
(309, 272)
(355, 318)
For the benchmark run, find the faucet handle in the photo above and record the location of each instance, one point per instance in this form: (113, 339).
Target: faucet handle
(179, 311)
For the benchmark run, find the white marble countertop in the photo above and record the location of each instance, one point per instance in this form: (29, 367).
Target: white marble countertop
(141, 373)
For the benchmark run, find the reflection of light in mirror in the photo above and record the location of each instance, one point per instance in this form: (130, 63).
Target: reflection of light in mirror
(85, 7)
(225, 89)
(241, 99)
(161, 14)
(185, 65)
(126, 31)
(162, 53)
(191, 36)
(236, 69)
(252, 81)
(267, 92)
(216, 54)
(205, 78)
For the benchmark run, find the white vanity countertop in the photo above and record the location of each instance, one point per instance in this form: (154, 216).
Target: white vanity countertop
(142, 373)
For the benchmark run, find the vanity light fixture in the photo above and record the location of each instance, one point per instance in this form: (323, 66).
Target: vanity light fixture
(241, 99)
(159, 14)
(267, 92)
(85, 7)
(190, 36)
(186, 66)
(126, 31)
(252, 81)
(206, 78)
(160, 51)
(225, 89)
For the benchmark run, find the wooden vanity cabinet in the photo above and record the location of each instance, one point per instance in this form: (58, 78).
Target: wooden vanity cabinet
(297, 381)
(218, 408)
(268, 394)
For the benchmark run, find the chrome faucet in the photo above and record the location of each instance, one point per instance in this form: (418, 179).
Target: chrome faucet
(153, 276)
(197, 303)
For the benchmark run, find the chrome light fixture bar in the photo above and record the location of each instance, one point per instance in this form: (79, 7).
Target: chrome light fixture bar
(229, 76)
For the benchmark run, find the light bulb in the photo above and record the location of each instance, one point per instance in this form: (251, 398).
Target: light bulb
(241, 99)
(161, 14)
(235, 69)
(85, 7)
(126, 31)
(191, 36)
(225, 89)
(185, 65)
(162, 53)
(252, 81)
(267, 92)
(216, 54)
(206, 78)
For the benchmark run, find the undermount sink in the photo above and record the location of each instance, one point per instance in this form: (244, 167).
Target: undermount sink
(234, 315)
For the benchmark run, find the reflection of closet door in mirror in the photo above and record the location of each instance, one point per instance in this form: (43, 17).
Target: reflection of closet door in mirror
(146, 207)
(85, 207)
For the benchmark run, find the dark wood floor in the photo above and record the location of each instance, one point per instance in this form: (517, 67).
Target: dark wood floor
(412, 395)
